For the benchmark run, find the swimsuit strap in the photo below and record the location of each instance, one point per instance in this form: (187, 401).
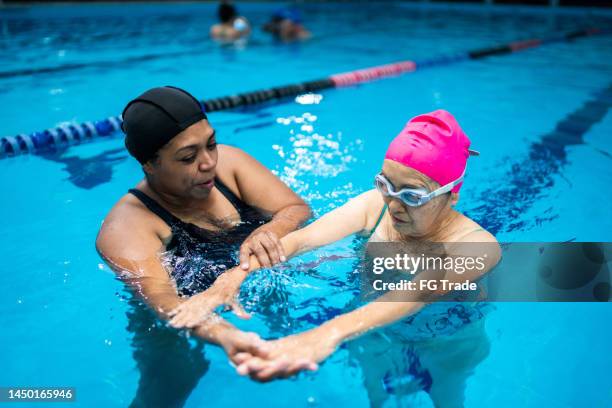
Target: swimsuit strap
(172, 220)
(380, 217)
(155, 208)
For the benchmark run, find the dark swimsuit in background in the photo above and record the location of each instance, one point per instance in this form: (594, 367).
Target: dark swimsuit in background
(197, 255)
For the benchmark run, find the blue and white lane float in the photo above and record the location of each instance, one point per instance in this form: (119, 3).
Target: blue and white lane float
(74, 133)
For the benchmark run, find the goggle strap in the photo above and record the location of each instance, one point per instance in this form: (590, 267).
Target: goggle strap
(446, 188)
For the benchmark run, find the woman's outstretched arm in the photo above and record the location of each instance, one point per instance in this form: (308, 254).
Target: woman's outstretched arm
(358, 215)
(317, 344)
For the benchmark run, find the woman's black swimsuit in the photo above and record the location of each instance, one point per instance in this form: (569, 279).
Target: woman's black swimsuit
(197, 255)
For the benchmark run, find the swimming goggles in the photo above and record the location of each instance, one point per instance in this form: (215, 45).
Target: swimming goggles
(413, 197)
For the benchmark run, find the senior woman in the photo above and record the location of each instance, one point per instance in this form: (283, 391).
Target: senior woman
(177, 231)
(416, 190)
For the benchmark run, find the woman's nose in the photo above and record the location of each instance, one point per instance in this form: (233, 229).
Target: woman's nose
(207, 163)
(395, 204)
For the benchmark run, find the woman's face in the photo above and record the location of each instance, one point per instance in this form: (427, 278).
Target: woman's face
(185, 167)
(415, 221)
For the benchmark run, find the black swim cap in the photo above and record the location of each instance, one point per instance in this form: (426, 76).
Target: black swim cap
(155, 117)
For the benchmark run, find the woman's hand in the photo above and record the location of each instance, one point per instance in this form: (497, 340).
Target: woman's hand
(245, 344)
(265, 245)
(289, 355)
(198, 308)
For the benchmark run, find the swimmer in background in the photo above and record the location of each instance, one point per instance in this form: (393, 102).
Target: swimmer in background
(286, 25)
(416, 190)
(232, 27)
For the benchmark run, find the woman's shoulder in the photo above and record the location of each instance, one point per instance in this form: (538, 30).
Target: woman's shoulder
(372, 205)
(232, 157)
(130, 215)
(230, 151)
(129, 236)
(216, 30)
(470, 231)
(472, 238)
(128, 206)
(232, 162)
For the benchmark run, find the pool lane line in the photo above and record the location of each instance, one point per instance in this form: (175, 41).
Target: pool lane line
(94, 65)
(74, 133)
(73, 66)
(526, 180)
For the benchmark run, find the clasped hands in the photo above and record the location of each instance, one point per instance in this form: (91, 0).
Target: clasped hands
(261, 360)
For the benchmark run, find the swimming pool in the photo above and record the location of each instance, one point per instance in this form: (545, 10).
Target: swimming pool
(64, 320)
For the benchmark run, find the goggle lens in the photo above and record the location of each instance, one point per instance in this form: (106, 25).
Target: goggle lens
(382, 186)
(411, 198)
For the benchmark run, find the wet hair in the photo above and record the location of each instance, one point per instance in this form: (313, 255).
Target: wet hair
(226, 12)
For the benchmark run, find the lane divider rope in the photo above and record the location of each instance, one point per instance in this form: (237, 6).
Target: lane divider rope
(74, 133)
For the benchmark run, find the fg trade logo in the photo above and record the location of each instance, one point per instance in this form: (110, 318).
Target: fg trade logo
(574, 272)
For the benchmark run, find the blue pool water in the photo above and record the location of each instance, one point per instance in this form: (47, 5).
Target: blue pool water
(64, 315)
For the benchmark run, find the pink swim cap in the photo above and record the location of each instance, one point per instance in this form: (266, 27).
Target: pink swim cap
(435, 145)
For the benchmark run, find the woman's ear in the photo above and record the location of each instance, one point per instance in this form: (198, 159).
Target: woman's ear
(149, 167)
(454, 198)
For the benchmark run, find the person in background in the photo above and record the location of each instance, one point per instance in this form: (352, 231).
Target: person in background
(231, 26)
(286, 25)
